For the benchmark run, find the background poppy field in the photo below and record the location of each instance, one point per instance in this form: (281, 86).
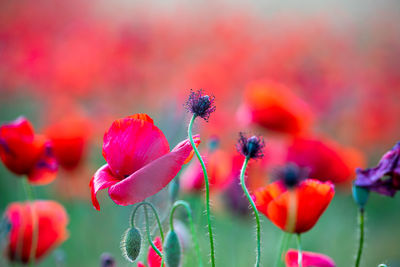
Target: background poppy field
(330, 70)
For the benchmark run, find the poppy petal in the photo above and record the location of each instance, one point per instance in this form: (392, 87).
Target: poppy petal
(152, 257)
(196, 140)
(150, 179)
(103, 178)
(131, 143)
(309, 259)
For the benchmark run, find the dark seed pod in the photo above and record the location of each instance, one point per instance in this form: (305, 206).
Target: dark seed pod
(172, 250)
(131, 243)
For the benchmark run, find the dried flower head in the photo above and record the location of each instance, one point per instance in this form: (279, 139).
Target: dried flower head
(251, 147)
(200, 105)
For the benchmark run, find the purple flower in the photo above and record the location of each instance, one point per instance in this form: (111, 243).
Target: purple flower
(384, 178)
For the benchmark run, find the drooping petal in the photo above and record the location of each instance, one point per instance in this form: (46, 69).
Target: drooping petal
(310, 259)
(131, 143)
(150, 179)
(103, 178)
(45, 169)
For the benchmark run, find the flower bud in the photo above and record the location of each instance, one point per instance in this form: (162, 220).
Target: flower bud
(172, 249)
(360, 195)
(131, 243)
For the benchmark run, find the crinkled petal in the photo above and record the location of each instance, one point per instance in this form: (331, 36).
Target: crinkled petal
(103, 178)
(131, 143)
(150, 179)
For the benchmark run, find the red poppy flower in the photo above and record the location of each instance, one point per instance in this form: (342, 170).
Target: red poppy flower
(51, 221)
(69, 139)
(274, 107)
(152, 257)
(309, 259)
(25, 153)
(139, 161)
(326, 160)
(309, 199)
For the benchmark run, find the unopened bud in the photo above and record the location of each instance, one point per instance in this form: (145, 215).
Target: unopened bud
(131, 243)
(172, 250)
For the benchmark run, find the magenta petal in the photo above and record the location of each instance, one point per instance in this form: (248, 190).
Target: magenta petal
(310, 259)
(150, 179)
(102, 179)
(131, 143)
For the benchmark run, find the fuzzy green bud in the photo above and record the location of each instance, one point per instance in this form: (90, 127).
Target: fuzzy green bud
(131, 243)
(360, 195)
(172, 249)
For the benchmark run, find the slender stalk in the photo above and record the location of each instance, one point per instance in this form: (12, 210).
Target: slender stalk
(132, 220)
(192, 229)
(361, 238)
(300, 253)
(283, 247)
(30, 197)
(253, 205)
(148, 233)
(207, 186)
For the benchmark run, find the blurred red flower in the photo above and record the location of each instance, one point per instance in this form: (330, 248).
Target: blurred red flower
(219, 167)
(152, 257)
(310, 259)
(25, 153)
(139, 161)
(326, 160)
(69, 138)
(274, 107)
(51, 221)
(294, 210)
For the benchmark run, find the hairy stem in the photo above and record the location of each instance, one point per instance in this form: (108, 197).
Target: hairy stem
(207, 186)
(300, 253)
(253, 205)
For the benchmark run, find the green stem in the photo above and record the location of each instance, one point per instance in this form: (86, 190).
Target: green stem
(253, 205)
(148, 233)
(206, 182)
(361, 240)
(132, 220)
(282, 248)
(192, 229)
(30, 197)
(300, 253)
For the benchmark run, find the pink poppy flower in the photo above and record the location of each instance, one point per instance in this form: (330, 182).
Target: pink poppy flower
(310, 259)
(139, 161)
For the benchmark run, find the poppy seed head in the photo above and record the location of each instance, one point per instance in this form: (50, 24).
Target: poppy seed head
(251, 147)
(292, 175)
(200, 105)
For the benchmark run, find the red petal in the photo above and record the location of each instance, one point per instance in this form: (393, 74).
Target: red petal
(103, 178)
(150, 179)
(19, 150)
(130, 144)
(45, 169)
(152, 257)
(310, 259)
